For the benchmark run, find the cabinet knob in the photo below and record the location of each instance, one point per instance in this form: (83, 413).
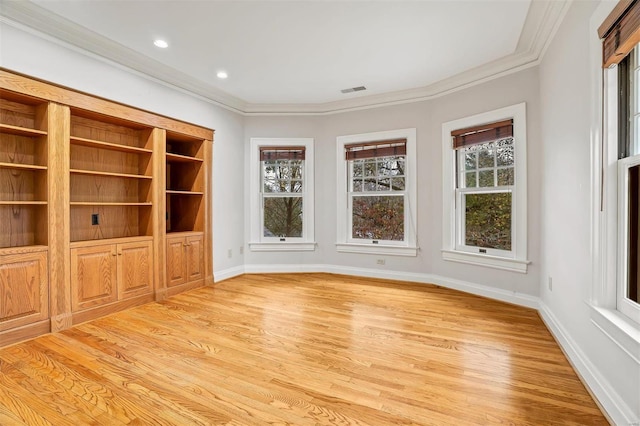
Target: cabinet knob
(113, 253)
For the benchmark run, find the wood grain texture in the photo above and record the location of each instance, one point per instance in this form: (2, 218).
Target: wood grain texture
(135, 269)
(93, 276)
(24, 289)
(299, 349)
(59, 217)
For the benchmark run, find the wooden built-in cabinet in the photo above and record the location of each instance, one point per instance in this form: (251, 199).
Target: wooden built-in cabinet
(95, 198)
(103, 274)
(185, 259)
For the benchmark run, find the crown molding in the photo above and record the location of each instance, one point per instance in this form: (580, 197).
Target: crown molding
(543, 20)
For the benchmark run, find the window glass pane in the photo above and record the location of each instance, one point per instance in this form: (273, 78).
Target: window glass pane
(385, 166)
(295, 166)
(283, 217)
(470, 160)
(505, 176)
(504, 152)
(488, 220)
(370, 167)
(470, 180)
(357, 168)
(633, 276)
(271, 186)
(370, 184)
(282, 169)
(357, 185)
(485, 156)
(269, 169)
(397, 184)
(399, 166)
(296, 186)
(485, 178)
(378, 218)
(384, 184)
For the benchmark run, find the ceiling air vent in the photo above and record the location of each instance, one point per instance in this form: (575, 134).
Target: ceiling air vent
(354, 89)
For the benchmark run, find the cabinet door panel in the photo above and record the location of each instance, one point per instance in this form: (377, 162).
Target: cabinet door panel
(93, 276)
(195, 258)
(24, 297)
(176, 270)
(135, 269)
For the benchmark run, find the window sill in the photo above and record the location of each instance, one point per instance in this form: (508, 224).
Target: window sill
(285, 246)
(494, 262)
(377, 249)
(623, 332)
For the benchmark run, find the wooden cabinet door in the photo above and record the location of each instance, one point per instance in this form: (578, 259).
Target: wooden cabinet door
(176, 265)
(24, 284)
(93, 276)
(135, 269)
(195, 257)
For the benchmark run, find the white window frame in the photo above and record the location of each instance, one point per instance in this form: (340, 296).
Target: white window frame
(453, 248)
(344, 242)
(602, 298)
(258, 241)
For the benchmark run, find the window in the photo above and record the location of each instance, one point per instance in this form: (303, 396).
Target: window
(376, 193)
(628, 153)
(281, 194)
(484, 187)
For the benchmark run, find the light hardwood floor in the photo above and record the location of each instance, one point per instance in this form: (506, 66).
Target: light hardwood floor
(299, 349)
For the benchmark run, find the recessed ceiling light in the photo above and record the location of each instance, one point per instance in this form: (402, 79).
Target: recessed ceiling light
(222, 74)
(161, 44)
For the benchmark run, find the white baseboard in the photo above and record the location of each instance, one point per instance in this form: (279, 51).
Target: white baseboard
(225, 274)
(614, 407)
(468, 287)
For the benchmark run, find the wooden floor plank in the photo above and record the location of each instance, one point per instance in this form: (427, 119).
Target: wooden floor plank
(299, 349)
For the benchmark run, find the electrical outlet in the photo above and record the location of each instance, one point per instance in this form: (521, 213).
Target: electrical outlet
(380, 261)
(550, 284)
(241, 249)
(230, 253)
(95, 219)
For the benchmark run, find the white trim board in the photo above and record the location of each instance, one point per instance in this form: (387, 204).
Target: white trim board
(515, 298)
(606, 397)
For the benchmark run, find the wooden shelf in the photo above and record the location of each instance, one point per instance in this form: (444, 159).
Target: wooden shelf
(175, 192)
(110, 174)
(177, 158)
(21, 166)
(107, 145)
(21, 131)
(22, 203)
(98, 203)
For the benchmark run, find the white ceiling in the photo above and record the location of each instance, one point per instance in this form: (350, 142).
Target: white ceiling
(298, 55)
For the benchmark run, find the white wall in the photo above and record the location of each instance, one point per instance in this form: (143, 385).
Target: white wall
(427, 117)
(24, 52)
(565, 109)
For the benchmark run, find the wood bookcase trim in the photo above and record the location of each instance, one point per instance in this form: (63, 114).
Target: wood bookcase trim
(102, 107)
(4, 165)
(22, 203)
(21, 131)
(112, 174)
(22, 250)
(109, 241)
(178, 192)
(185, 234)
(178, 158)
(114, 204)
(107, 145)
